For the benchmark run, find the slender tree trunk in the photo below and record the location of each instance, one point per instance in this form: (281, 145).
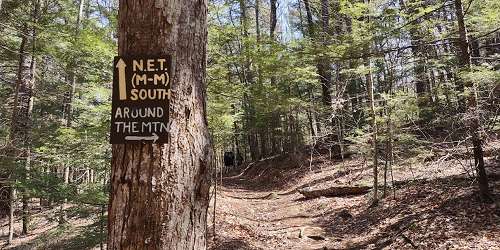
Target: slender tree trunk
(472, 115)
(310, 25)
(272, 18)
(12, 208)
(312, 128)
(324, 67)
(159, 193)
(20, 134)
(257, 20)
(72, 92)
(215, 194)
(81, 8)
(275, 115)
(373, 116)
(101, 243)
(247, 78)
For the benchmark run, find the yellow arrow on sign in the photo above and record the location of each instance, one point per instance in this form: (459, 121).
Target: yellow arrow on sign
(122, 86)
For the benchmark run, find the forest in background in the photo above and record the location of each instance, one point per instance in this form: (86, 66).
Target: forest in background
(392, 82)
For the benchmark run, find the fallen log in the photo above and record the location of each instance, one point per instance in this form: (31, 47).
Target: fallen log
(334, 191)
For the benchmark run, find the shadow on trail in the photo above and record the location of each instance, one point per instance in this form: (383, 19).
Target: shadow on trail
(88, 238)
(231, 244)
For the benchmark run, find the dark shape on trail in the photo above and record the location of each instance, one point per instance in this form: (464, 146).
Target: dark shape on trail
(228, 159)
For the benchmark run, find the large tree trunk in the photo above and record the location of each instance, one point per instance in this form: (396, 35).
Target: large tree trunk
(472, 115)
(159, 193)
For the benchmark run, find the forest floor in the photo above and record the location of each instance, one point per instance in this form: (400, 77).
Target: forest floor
(434, 206)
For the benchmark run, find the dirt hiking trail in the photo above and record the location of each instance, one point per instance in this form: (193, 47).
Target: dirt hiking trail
(260, 208)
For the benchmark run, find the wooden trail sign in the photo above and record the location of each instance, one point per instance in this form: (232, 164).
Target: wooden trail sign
(141, 94)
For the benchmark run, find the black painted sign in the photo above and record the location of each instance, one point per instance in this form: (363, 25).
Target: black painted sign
(141, 94)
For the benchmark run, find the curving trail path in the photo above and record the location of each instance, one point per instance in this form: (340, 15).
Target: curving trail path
(253, 212)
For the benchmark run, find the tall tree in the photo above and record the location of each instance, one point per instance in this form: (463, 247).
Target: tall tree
(275, 116)
(324, 65)
(373, 114)
(159, 193)
(464, 58)
(21, 122)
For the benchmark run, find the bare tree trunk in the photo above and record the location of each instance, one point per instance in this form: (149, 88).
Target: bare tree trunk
(474, 123)
(159, 193)
(12, 208)
(26, 199)
(312, 128)
(373, 116)
(101, 244)
(215, 193)
(257, 20)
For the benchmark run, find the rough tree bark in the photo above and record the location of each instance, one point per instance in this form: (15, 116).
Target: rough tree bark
(159, 193)
(472, 116)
